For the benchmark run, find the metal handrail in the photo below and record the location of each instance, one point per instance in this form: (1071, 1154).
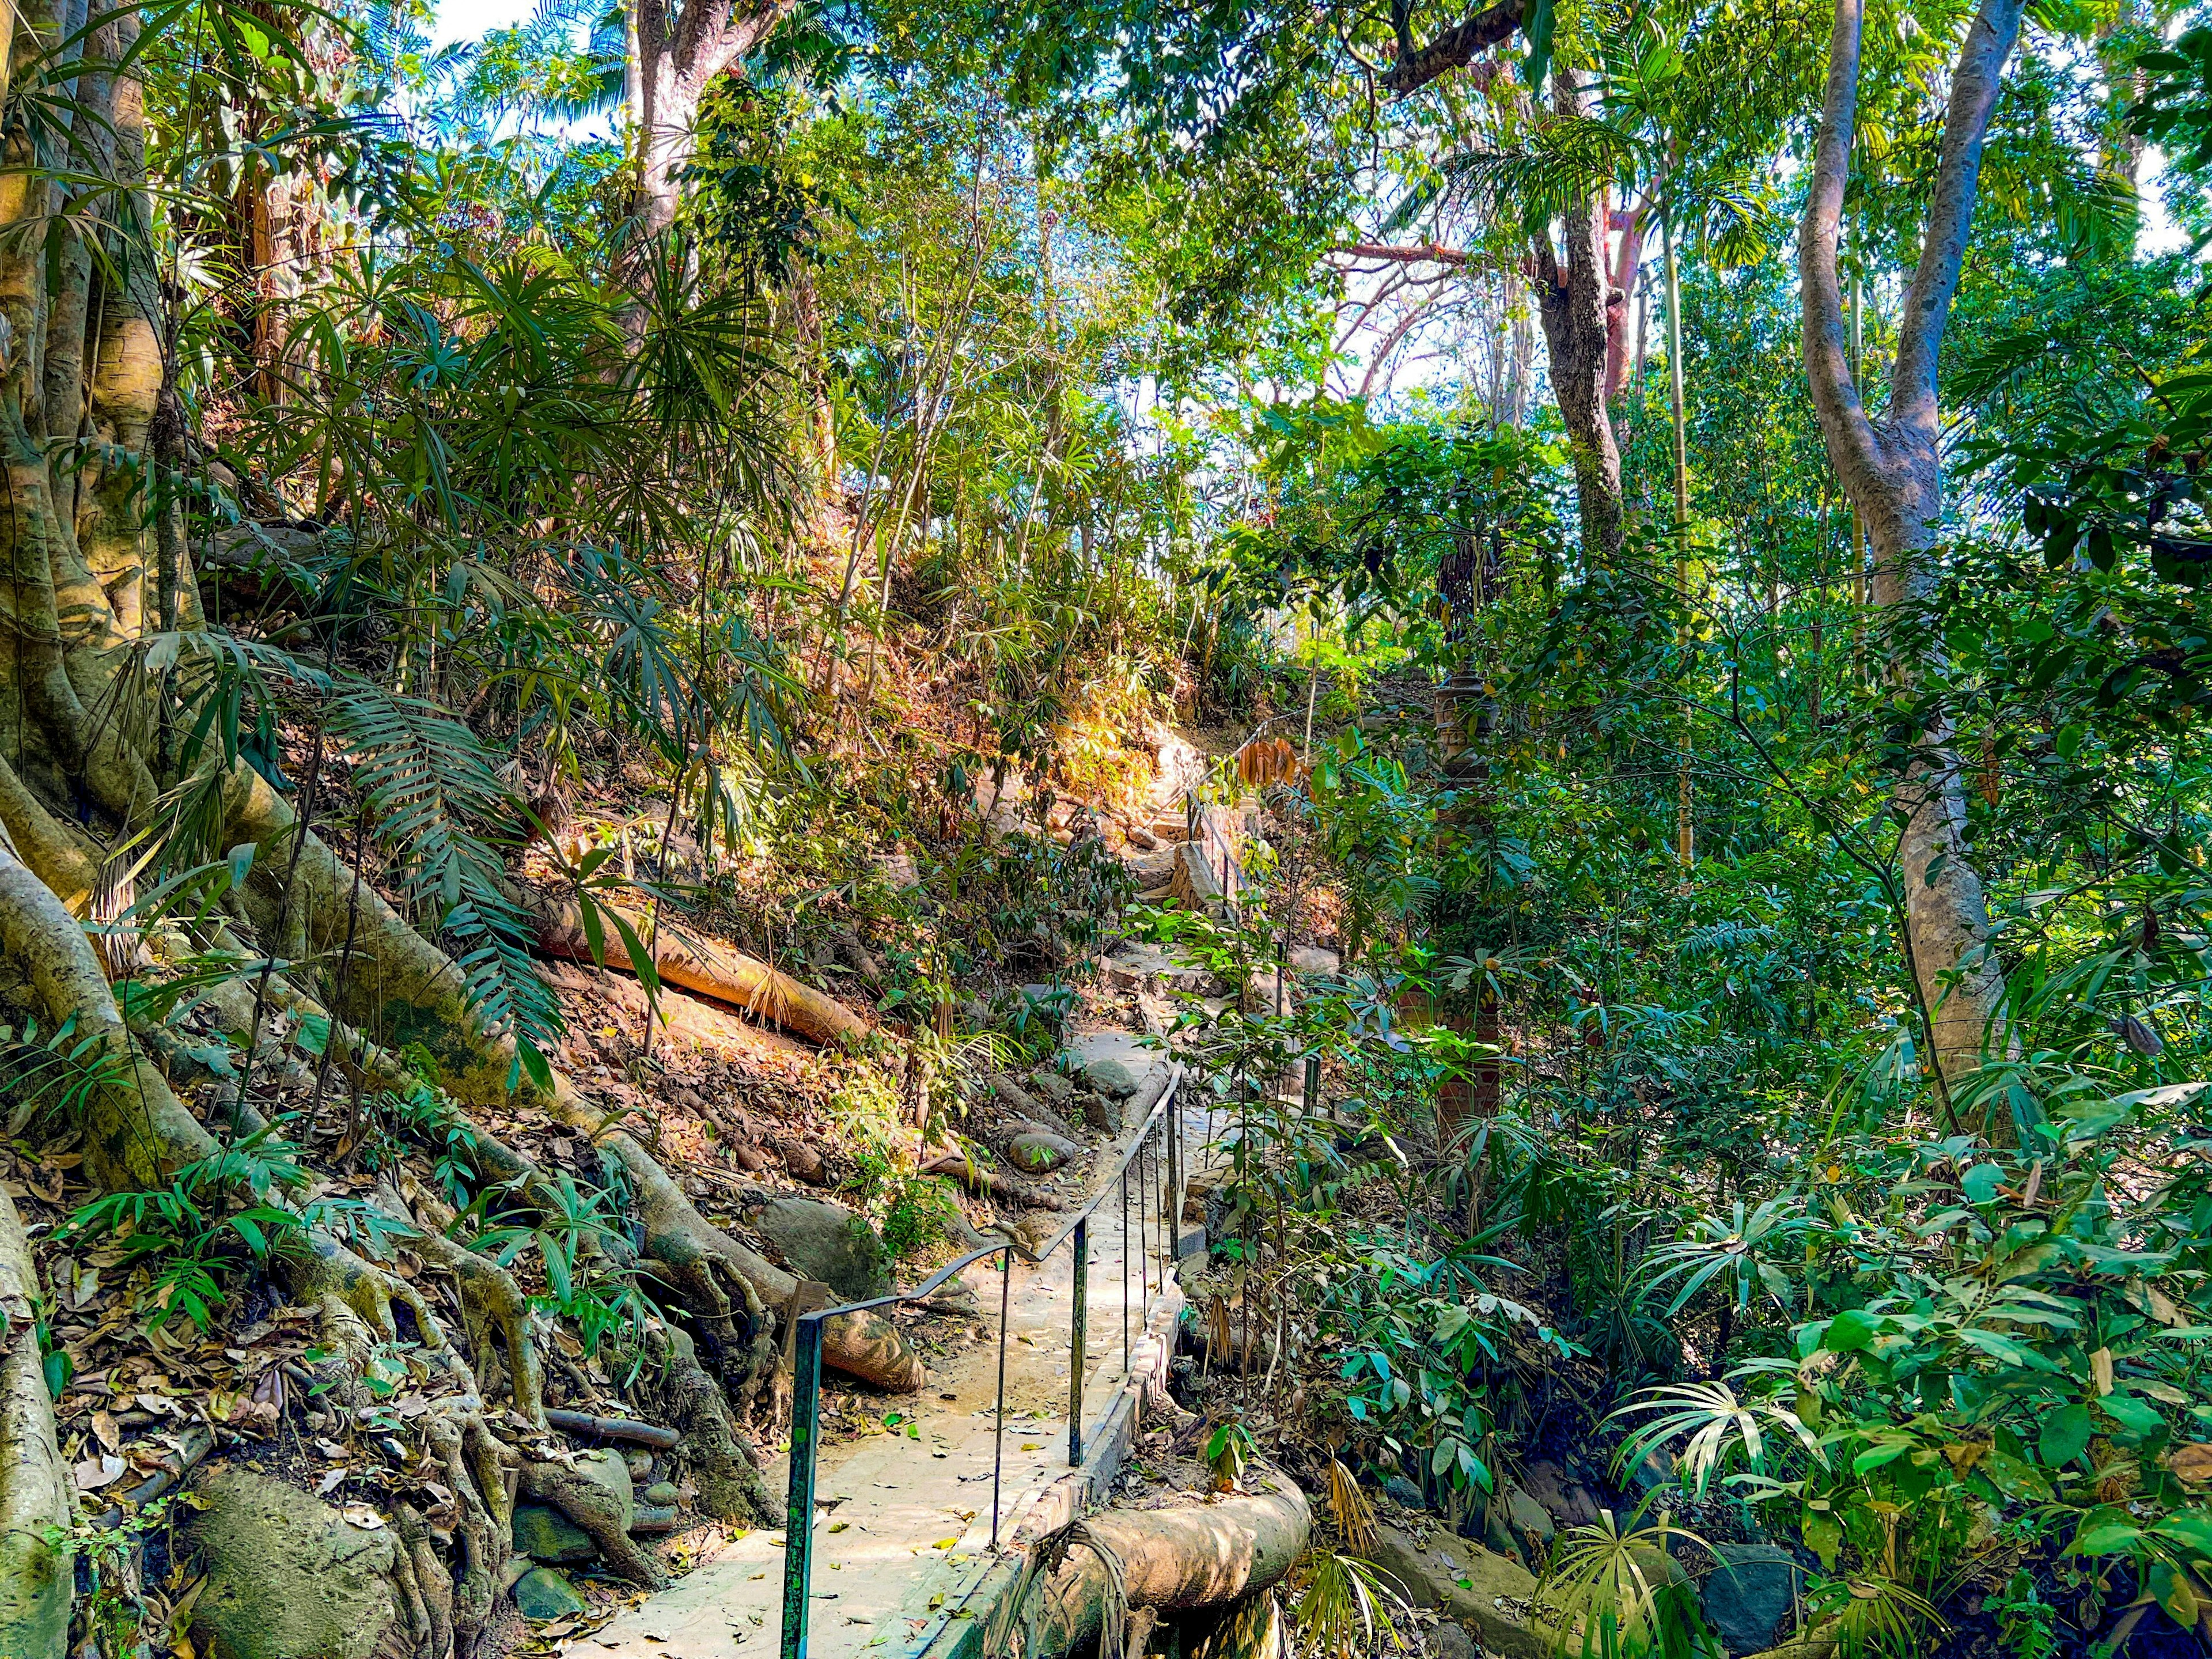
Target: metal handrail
(806, 1351)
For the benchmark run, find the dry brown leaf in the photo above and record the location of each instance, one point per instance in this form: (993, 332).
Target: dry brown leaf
(2192, 1462)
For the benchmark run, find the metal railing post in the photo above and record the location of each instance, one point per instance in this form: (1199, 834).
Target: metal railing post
(1125, 1269)
(1175, 1183)
(1078, 1332)
(999, 1435)
(798, 1518)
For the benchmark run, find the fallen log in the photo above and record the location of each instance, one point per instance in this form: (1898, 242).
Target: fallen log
(682, 956)
(1195, 1555)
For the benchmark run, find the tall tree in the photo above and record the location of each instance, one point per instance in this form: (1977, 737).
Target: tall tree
(675, 55)
(1891, 469)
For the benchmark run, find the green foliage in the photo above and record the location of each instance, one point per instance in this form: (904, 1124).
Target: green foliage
(216, 1217)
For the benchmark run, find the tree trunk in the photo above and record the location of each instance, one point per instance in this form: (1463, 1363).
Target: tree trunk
(1573, 302)
(677, 55)
(1891, 470)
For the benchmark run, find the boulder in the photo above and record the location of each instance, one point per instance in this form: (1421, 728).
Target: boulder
(1565, 1496)
(542, 1593)
(1112, 1077)
(1312, 959)
(544, 1534)
(1491, 1598)
(1449, 1641)
(662, 1494)
(607, 1469)
(288, 1576)
(1040, 1153)
(1102, 1112)
(1753, 1592)
(820, 1240)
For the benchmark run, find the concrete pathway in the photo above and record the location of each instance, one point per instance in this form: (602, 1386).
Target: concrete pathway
(904, 1520)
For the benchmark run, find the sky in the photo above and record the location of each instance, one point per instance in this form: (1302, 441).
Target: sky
(469, 20)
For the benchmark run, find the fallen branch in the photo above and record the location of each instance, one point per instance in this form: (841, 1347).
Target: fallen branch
(614, 1428)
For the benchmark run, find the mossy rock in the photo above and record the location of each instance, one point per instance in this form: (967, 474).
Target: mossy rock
(544, 1534)
(542, 1593)
(827, 1241)
(288, 1576)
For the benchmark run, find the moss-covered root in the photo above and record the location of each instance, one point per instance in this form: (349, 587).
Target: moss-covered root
(701, 1259)
(482, 1469)
(598, 1511)
(35, 1578)
(492, 1306)
(424, 1587)
(398, 986)
(722, 1462)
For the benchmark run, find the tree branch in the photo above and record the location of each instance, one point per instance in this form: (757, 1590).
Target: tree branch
(1422, 253)
(1974, 86)
(1456, 48)
(1827, 360)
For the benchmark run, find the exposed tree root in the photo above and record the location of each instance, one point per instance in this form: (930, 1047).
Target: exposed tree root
(36, 1579)
(722, 1463)
(416, 994)
(593, 1508)
(990, 1184)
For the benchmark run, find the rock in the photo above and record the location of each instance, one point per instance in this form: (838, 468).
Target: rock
(1531, 1523)
(897, 869)
(662, 1494)
(825, 1240)
(1101, 1112)
(288, 1576)
(1312, 959)
(654, 1518)
(1489, 1597)
(1449, 1641)
(1565, 1497)
(1111, 1076)
(1040, 1154)
(638, 1461)
(1037, 1228)
(1751, 1593)
(544, 1533)
(1141, 838)
(542, 1593)
(805, 1163)
(1053, 1086)
(1656, 1470)
(1399, 1490)
(1154, 868)
(606, 1469)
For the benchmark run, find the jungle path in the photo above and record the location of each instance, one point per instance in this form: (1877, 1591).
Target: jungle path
(902, 1520)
